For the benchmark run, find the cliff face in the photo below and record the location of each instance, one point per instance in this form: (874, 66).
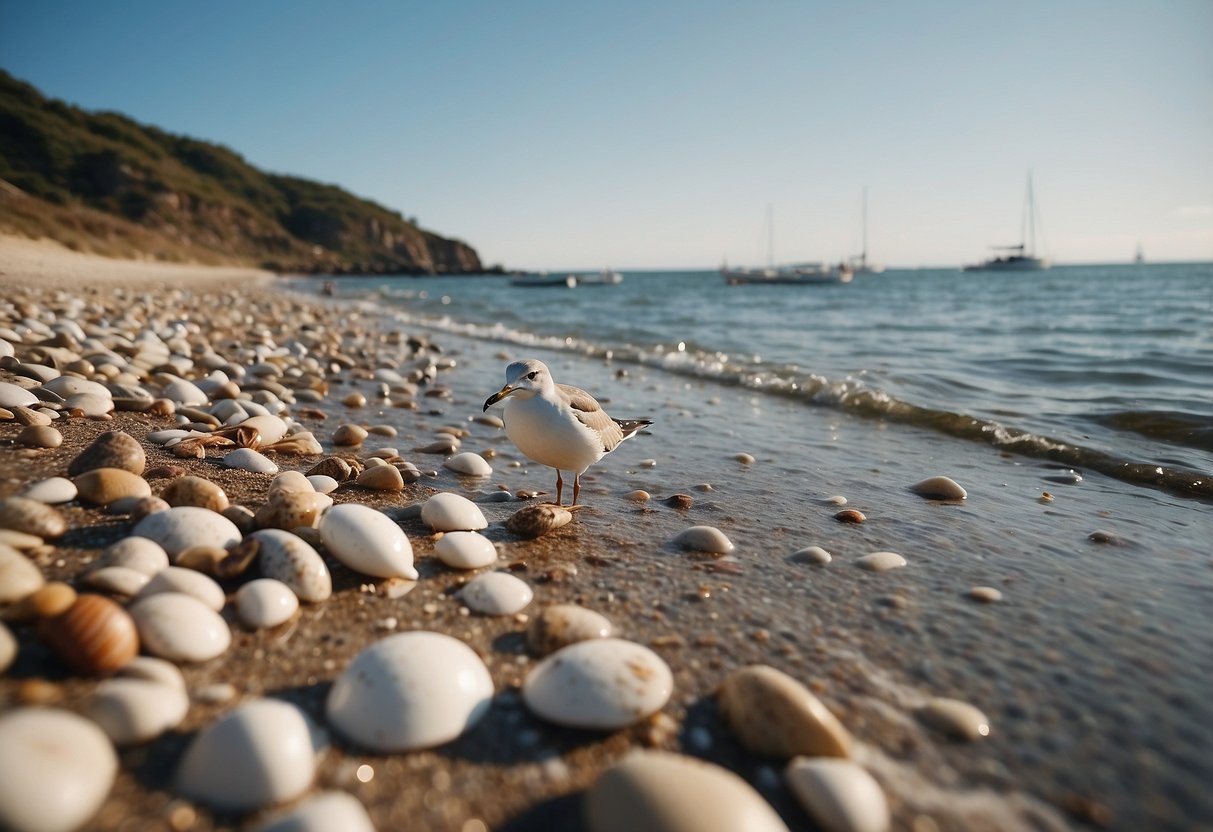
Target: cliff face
(102, 182)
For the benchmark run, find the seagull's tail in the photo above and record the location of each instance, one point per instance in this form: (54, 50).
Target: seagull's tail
(631, 427)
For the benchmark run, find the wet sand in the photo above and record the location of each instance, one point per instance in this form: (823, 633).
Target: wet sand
(871, 646)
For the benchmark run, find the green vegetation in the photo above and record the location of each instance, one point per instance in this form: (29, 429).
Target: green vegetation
(101, 182)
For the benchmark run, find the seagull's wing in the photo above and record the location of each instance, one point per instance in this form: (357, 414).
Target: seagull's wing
(590, 413)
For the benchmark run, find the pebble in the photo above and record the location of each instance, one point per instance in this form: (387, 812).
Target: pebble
(183, 527)
(603, 684)
(811, 554)
(52, 599)
(265, 602)
(446, 512)
(289, 481)
(180, 628)
(349, 435)
(638, 496)
(90, 406)
(837, 500)
(8, 647)
(409, 691)
(469, 464)
(354, 399)
(19, 576)
(117, 580)
(850, 515)
(20, 540)
(704, 539)
(954, 718)
(323, 484)
(559, 625)
(534, 521)
(246, 459)
(881, 561)
(136, 710)
(269, 428)
(187, 582)
(102, 486)
(12, 395)
(112, 449)
(496, 593)
(31, 517)
(939, 488)
(151, 669)
(665, 792)
(381, 478)
(465, 550)
(323, 812)
(93, 635)
(333, 466)
(25, 416)
(56, 769)
(289, 510)
(195, 491)
(182, 392)
(985, 594)
(259, 754)
(138, 553)
(744, 459)
(839, 795)
(40, 436)
(777, 716)
(290, 559)
(368, 541)
(52, 491)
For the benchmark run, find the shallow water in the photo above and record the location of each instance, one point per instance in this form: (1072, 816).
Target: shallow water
(1095, 667)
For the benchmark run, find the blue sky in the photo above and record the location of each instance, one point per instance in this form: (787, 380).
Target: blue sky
(576, 135)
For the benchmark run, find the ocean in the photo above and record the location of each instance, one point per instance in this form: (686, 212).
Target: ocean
(1076, 407)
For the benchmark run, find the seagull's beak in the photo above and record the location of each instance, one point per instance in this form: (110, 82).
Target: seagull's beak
(498, 396)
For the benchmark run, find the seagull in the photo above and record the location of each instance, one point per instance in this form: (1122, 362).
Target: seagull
(557, 425)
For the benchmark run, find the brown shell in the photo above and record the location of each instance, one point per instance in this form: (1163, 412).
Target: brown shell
(536, 520)
(94, 635)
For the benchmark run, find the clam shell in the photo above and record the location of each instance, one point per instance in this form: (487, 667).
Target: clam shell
(94, 635)
(465, 550)
(102, 486)
(367, 541)
(195, 491)
(446, 512)
(31, 517)
(775, 715)
(290, 559)
(320, 813)
(496, 593)
(180, 627)
(469, 464)
(19, 576)
(560, 625)
(537, 520)
(704, 539)
(288, 510)
(183, 527)
(265, 602)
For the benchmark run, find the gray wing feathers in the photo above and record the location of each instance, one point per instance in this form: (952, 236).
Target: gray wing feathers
(590, 413)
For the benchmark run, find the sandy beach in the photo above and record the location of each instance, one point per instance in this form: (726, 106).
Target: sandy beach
(863, 643)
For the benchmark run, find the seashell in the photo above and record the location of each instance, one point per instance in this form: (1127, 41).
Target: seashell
(289, 481)
(537, 520)
(269, 429)
(93, 635)
(850, 515)
(247, 459)
(985, 594)
(180, 628)
(25, 416)
(496, 593)
(954, 718)
(839, 795)
(89, 406)
(143, 506)
(265, 602)
(465, 550)
(292, 510)
(744, 459)
(57, 769)
(560, 625)
(469, 464)
(12, 395)
(704, 539)
(112, 449)
(637, 496)
(939, 488)
(211, 560)
(187, 582)
(102, 486)
(367, 541)
(257, 755)
(289, 559)
(658, 790)
(20, 540)
(51, 491)
(446, 512)
(117, 580)
(298, 444)
(811, 554)
(19, 576)
(347, 435)
(182, 527)
(322, 483)
(444, 446)
(354, 399)
(775, 715)
(322, 812)
(150, 669)
(881, 561)
(240, 516)
(135, 710)
(31, 517)
(40, 436)
(182, 392)
(603, 684)
(409, 691)
(52, 599)
(381, 478)
(195, 491)
(333, 466)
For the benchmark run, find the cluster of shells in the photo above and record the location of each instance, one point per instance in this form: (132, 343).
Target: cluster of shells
(242, 394)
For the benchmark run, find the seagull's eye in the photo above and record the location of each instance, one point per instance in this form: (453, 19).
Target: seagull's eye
(533, 376)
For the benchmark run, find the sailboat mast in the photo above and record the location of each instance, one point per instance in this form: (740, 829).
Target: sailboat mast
(1029, 235)
(863, 255)
(770, 235)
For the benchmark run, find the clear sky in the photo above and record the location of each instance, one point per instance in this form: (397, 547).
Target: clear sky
(568, 135)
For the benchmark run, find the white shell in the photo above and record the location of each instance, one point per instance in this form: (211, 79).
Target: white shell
(811, 554)
(19, 576)
(188, 582)
(408, 691)
(324, 812)
(151, 669)
(8, 647)
(139, 553)
(56, 770)
(838, 794)
(605, 683)
(91, 406)
(259, 754)
(265, 602)
(271, 428)
(182, 527)
(465, 550)
(132, 710)
(704, 539)
(118, 580)
(448, 512)
(323, 483)
(367, 541)
(184, 392)
(11, 395)
(659, 790)
(496, 593)
(881, 561)
(959, 720)
(180, 628)
(940, 488)
(52, 491)
(290, 559)
(67, 386)
(249, 460)
(469, 464)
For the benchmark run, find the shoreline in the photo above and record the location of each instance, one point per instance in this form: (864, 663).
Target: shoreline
(841, 631)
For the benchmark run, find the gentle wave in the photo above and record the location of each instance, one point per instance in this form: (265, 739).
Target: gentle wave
(854, 396)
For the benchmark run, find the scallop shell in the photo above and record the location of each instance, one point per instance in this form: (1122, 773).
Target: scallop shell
(94, 635)
(537, 520)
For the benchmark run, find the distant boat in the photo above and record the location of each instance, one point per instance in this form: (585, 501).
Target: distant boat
(794, 274)
(545, 280)
(606, 277)
(859, 263)
(1139, 258)
(1022, 257)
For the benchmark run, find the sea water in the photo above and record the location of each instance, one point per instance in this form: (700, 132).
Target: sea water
(1075, 405)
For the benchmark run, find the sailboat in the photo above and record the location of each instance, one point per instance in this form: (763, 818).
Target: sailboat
(798, 274)
(859, 263)
(1022, 257)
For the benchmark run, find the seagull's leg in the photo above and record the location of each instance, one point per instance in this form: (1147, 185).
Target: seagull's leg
(576, 487)
(559, 486)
